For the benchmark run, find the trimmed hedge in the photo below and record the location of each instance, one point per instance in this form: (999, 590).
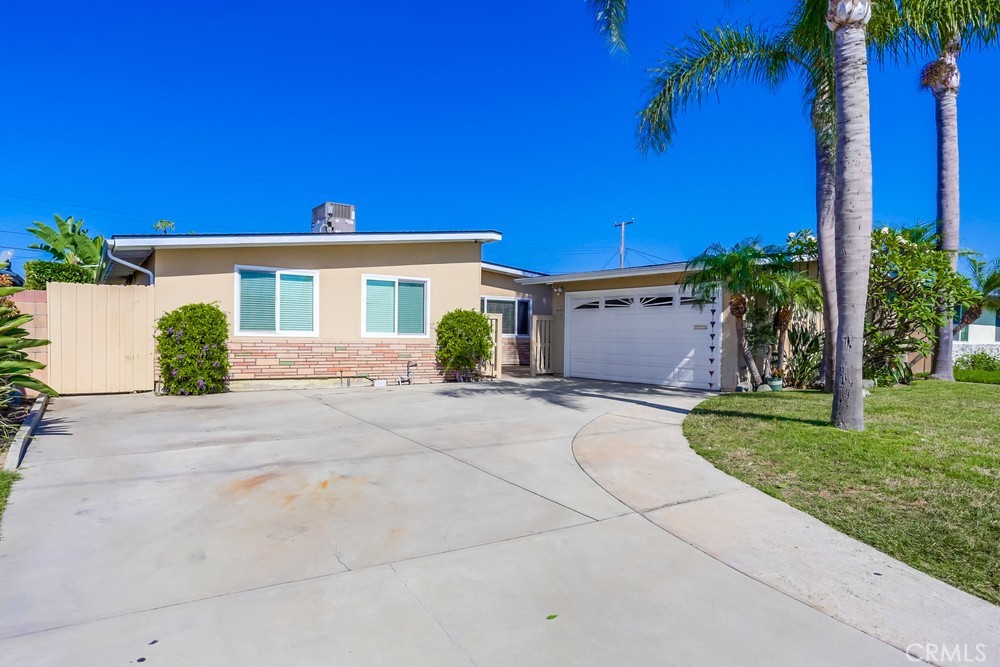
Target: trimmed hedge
(38, 272)
(979, 377)
(192, 346)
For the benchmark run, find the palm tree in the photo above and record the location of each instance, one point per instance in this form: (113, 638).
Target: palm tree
(986, 283)
(793, 291)
(726, 55)
(948, 26)
(848, 19)
(745, 271)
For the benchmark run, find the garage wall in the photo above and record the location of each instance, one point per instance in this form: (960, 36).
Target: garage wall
(729, 360)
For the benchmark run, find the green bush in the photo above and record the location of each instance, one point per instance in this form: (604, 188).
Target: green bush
(979, 377)
(38, 272)
(192, 346)
(977, 361)
(464, 342)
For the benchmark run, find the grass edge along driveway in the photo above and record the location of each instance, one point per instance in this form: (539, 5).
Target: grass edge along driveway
(921, 484)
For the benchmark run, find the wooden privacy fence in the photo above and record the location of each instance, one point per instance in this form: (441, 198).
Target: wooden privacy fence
(101, 338)
(541, 344)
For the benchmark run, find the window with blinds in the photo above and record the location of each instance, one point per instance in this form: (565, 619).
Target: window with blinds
(276, 302)
(516, 314)
(395, 307)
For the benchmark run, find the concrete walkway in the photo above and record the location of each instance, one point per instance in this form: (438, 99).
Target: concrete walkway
(434, 525)
(650, 467)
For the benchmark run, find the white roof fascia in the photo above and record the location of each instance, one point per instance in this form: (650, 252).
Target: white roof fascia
(511, 271)
(604, 275)
(252, 241)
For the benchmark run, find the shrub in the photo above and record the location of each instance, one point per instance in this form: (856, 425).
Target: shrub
(977, 361)
(464, 342)
(192, 346)
(38, 272)
(979, 377)
(909, 280)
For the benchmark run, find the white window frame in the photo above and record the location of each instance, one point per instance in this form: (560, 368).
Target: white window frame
(515, 299)
(278, 272)
(365, 277)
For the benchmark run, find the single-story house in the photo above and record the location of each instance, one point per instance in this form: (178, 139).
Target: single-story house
(326, 305)
(319, 305)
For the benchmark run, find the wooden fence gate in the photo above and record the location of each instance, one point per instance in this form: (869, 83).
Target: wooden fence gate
(495, 365)
(541, 344)
(101, 338)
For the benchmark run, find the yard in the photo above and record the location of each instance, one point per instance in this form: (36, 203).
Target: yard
(922, 484)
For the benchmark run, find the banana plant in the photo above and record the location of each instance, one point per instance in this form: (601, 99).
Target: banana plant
(68, 241)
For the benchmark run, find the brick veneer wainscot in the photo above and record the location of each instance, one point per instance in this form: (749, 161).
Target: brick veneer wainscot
(280, 358)
(515, 351)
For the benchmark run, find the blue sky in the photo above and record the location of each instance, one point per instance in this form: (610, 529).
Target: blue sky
(228, 117)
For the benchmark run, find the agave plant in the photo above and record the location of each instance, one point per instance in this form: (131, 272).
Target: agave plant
(68, 242)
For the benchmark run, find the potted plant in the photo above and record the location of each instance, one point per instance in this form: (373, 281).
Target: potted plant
(777, 380)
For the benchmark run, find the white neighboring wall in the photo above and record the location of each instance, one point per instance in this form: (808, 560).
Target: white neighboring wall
(982, 331)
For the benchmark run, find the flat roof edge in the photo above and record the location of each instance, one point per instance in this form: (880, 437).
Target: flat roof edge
(305, 239)
(607, 274)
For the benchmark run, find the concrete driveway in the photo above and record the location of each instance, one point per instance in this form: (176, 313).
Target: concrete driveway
(428, 525)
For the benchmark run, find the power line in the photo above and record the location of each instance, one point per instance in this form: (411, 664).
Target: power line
(611, 259)
(653, 258)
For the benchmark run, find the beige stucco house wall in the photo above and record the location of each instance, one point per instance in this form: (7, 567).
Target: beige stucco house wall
(501, 281)
(451, 269)
(339, 346)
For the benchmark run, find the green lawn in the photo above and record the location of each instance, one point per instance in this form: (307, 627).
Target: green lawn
(922, 484)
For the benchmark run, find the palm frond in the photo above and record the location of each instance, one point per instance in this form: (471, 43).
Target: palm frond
(610, 18)
(940, 24)
(746, 269)
(709, 61)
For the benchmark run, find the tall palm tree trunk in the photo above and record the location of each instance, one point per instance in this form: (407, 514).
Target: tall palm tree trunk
(848, 19)
(826, 232)
(944, 83)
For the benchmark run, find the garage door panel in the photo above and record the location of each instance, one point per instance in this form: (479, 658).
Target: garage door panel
(665, 345)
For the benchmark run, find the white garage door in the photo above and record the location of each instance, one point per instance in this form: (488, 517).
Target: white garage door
(657, 336)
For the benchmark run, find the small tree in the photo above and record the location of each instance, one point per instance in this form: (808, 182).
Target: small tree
(464, 342)
(794, 292)
(745, 271)
(164, 226)
(910, 278)
(192, 346)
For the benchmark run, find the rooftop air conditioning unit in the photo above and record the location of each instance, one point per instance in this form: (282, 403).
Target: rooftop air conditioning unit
(331, 218)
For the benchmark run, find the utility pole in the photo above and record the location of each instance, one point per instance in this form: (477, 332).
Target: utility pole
(621, 247)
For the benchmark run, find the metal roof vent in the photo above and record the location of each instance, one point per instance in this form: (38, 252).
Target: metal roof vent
(331, 218)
